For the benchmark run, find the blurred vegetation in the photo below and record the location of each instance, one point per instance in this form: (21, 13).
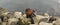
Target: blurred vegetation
(21, 23)
(2, 10)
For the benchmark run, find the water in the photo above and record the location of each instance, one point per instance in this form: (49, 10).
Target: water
(50, 6)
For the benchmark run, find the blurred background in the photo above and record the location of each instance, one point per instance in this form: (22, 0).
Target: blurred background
(41, 6)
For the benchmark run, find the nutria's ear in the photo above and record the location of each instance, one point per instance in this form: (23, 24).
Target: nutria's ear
(27, 9)
(33, 10)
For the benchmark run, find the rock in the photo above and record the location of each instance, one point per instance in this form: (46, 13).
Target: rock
(44, 23)
(18, 14)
